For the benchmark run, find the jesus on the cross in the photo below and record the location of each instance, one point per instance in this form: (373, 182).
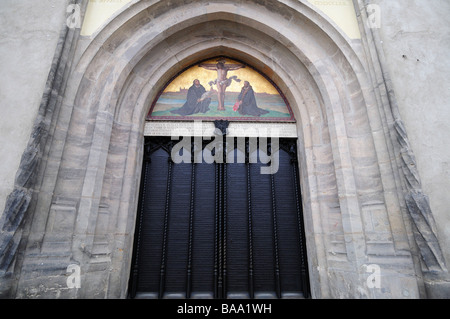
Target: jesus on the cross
(222, 81)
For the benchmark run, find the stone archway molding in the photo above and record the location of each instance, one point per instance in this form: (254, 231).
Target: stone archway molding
(86, 188)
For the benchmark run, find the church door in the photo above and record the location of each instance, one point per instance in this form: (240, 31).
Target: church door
(219, 230)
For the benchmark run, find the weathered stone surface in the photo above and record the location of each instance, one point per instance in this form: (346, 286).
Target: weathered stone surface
(10, 236)
(425, 231)
(417, 204)
(348, 149)
(28, 38)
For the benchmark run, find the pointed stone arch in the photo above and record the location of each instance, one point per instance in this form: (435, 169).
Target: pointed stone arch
(351, 189)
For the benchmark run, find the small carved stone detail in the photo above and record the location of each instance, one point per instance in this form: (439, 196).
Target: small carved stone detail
(221, 127)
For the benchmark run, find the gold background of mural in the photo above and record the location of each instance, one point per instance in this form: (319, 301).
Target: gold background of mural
(259, 83)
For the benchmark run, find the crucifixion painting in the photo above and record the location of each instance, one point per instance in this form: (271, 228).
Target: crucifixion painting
(220, 88)
(222, 82)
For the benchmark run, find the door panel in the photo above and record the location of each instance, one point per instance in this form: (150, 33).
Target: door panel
(203, 236)
(237, 237)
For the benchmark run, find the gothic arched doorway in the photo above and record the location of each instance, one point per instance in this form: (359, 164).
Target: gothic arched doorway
(351, 174)
(220, 215)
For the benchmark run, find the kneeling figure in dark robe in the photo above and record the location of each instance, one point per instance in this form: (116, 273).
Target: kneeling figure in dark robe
(247, 102)
(194, 101)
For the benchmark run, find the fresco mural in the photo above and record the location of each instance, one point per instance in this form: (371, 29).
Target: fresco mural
(221, 88)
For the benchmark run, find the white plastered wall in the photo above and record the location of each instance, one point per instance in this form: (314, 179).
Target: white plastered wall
(29, 34)
(416, 42)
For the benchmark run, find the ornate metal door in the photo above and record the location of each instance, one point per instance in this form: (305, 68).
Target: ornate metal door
(220, 230)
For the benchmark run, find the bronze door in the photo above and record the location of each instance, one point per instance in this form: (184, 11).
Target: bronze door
(220, 230)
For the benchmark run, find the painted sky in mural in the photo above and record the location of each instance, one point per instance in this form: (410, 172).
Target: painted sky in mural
(220, 88)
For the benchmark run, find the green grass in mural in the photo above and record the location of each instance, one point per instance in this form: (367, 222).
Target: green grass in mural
(213, 112)
(174, 100)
